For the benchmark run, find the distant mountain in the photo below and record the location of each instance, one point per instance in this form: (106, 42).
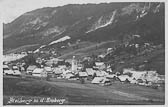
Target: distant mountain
(88, 22)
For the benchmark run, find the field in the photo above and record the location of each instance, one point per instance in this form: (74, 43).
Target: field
(76, 93)
(87, 48)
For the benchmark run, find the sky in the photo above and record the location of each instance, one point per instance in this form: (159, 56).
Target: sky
(11, 9)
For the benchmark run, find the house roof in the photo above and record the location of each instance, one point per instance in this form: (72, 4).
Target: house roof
(38, 70)
(105, 80)
(83, 74)
(69, 75)
(90, 71)
(49, 63)
(31, 67)
(15, 67)
(5, 66)
(48, 69)
(111, 76)
(98, 80)
(57, 70)
(99, 63)
(123, 77)
(138, 75)
(101, 73)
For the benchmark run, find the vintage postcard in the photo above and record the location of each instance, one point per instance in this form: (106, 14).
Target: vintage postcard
(83, 52)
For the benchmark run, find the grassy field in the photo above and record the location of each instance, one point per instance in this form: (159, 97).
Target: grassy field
(87, 48)
(76, 93)
(22, 48)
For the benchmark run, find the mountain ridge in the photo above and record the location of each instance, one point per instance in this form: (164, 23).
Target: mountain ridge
(42, 26)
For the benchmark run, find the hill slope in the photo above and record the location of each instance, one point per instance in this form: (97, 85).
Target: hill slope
(113, 21)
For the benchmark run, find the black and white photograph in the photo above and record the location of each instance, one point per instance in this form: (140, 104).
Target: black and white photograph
(83, 52)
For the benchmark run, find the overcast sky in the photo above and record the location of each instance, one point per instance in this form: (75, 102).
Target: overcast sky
(11, 9)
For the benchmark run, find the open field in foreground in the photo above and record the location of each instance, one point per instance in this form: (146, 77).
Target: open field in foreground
(75, 93)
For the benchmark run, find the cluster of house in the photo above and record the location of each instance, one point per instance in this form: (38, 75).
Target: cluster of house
(11, 70)
(98, 74)
(143, 77)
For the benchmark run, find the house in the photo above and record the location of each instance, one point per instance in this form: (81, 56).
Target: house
(104, 73)
(49, 70)
(39, 72)
(66, 71)
(68, 75)
(15, 67)
(151, 76)
(106, 82)
(31, 68)
(16, 71)
(90, 71)
(39, 60)
(83, 74)
(101, 73)
(101, 56)
(57, 71)
(138, 75)
(49, 63)
(79, 67)
(109, 69)
(161, 77)
(127, 70)
(62, 66)
(97, 80)
(100, 65)
(5, 66)
(6, 70)
(101, 80)
(109, 50)
(134, 74)
(29, 52)
(133, 81)
(111, 76)
(124, 78)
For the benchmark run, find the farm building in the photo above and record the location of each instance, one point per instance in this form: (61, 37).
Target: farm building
(39, 72)
(31, 68)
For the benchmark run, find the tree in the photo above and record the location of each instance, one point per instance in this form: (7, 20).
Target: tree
(30, 60)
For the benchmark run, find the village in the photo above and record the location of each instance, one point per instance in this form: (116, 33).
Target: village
(93, 69)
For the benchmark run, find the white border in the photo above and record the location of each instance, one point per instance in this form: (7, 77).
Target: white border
(166, 57)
